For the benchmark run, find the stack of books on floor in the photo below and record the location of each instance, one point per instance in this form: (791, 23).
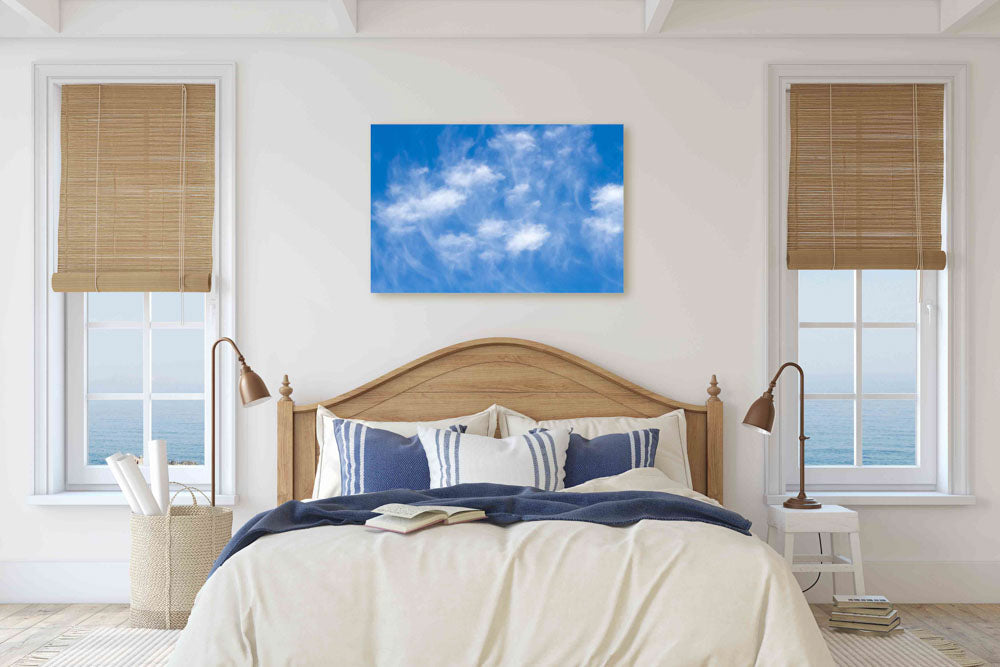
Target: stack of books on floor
(865, 613)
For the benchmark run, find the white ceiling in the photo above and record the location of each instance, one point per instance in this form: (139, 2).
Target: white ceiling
(497, 18)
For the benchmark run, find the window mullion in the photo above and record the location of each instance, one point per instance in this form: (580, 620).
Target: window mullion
(85, 403)
(147, 374)
(858, 387)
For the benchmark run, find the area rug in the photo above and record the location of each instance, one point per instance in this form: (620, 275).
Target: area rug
(902, 648)
(126, 647)
(105, 647)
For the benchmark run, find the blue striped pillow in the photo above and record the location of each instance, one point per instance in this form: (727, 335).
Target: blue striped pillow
(537, 459)
(610, 454)
(372, 459)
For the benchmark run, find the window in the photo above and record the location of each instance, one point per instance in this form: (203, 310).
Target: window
(138, 362)
(116, 369)
(869, 343)
(882, 350)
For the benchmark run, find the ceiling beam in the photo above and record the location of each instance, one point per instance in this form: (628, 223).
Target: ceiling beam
(656, 14)
(44, 13)
(346, 13)
(958, 14)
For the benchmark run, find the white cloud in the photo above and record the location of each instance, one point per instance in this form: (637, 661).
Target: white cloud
(491, 256)
(607, 197)
(529, 237)
(518, 191)
(607, 202)
(455, 247)
(555, 132)
(521, 140)
(468, 174)
(421, 207)
(607, 224)
(491, 228)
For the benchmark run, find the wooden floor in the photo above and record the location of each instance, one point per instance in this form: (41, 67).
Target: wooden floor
(976, 627)
(26, 627)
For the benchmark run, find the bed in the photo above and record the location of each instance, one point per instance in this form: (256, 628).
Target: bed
(539, 593)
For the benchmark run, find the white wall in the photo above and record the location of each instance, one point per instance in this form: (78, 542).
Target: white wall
(695, 203)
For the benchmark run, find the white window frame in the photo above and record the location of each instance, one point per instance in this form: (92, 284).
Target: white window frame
(923, 475)
(50, 466)
(946, 479)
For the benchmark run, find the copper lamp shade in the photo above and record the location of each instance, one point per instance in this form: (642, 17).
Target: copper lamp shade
(252, 391)
(760, 417)
(252, 388)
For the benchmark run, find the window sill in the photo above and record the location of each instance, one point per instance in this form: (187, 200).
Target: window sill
(111, 499)
(883, 498)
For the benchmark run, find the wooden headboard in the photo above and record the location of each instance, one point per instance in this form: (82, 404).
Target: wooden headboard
(540, 381)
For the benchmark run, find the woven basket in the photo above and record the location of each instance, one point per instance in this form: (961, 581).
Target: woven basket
(171, 558)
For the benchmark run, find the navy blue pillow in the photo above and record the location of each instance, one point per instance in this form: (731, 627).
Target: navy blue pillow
(610, 454)
(372, 459)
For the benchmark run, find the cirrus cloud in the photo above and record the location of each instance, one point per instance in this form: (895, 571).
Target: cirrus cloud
(416, 208)
(529, 237)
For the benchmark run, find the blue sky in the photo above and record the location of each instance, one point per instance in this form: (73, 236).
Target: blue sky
(497, 208)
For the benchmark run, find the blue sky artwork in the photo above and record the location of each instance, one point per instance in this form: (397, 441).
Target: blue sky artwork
(497, 208)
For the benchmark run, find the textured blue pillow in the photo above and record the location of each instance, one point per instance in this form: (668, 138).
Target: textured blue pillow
(372, 459)
(610, 454)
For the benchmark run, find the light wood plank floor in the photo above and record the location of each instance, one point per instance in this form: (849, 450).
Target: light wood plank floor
(976, 627)
(26, 627)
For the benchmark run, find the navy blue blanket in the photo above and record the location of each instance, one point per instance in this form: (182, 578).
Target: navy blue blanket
(502, 503)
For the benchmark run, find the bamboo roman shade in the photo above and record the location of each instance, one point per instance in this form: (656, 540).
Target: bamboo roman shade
(137, 192)
(866, 176)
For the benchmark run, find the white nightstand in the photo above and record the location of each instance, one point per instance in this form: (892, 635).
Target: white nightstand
(832, 519)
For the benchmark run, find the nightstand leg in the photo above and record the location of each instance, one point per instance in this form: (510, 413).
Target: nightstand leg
(767, 540)
(859, 575)
(833, 556)
(790, 548)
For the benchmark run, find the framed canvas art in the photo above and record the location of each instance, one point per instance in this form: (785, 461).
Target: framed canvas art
(497, 208)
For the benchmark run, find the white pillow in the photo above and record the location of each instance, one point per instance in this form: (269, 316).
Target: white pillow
(327, 482)
(639, 479)
(671, 452)
(536, 459)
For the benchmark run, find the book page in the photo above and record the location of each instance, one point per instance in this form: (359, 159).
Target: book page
(449, 510)
(405, 511)
(410, 511)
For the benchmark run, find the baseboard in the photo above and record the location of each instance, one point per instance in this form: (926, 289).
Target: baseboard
(54, 582)
(967, 582)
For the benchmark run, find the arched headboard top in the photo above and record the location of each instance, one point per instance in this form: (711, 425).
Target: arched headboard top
(539, 380)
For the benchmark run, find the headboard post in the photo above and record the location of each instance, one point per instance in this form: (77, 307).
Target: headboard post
(714, 450)
(286, 439)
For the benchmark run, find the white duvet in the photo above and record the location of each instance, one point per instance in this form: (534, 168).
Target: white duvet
(539, 593)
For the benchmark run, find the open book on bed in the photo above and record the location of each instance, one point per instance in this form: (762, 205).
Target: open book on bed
(402, 518)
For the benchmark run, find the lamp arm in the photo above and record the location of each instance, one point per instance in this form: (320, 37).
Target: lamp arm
(238, 353)
(802, 421)
(774, 380)
(242, 361)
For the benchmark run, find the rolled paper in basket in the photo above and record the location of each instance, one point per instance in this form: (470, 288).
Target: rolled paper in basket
(113, 461)
(158, 476)
(134, 478)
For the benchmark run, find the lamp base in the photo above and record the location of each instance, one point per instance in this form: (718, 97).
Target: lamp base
(796, 503)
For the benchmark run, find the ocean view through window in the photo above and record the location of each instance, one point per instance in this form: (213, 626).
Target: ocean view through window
(145, 378)
(858, 341)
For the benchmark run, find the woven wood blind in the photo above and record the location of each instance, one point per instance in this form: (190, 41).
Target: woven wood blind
(866, 176)
(137, 193)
